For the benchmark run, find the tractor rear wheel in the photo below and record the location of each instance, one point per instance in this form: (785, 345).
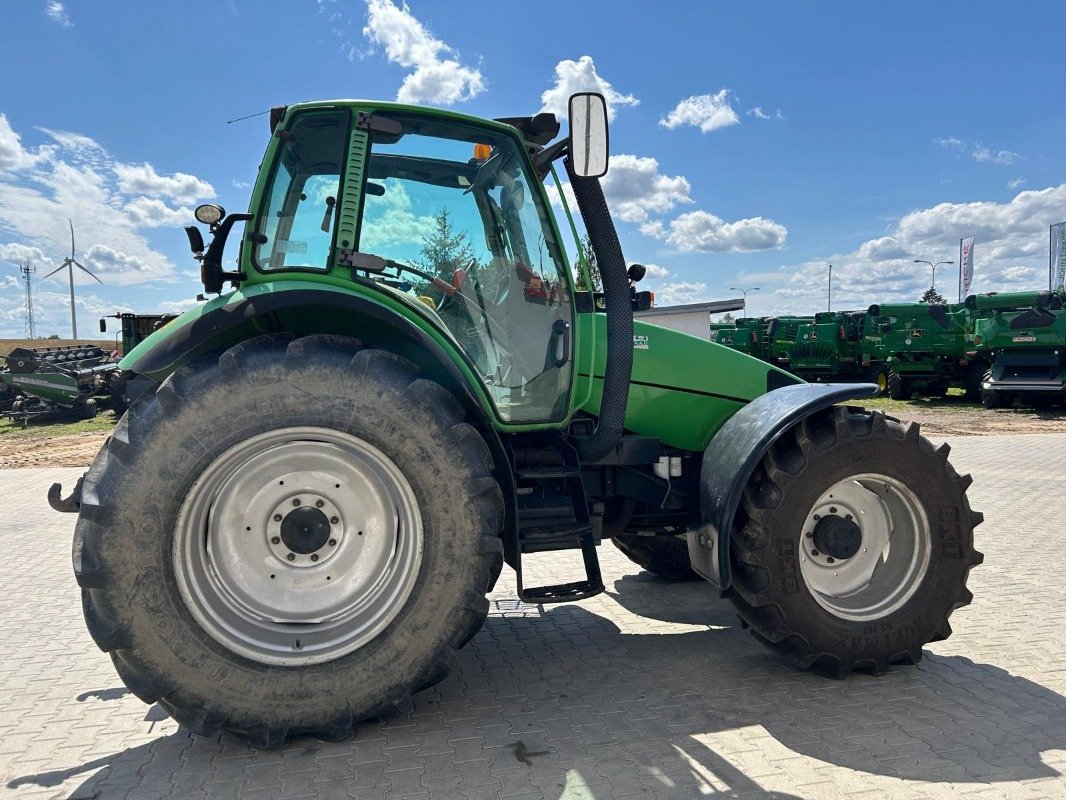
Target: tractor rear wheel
(853, 544)
(899, 388)
(665, 556)
(288, 539)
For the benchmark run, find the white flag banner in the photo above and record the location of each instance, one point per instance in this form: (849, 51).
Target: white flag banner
(1058, 256)
(965, 265)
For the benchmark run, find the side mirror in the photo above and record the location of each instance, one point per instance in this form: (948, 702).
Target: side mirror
(588, 134)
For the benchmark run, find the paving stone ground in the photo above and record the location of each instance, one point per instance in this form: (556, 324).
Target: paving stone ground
(648, 691)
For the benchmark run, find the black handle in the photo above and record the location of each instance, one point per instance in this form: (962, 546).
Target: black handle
(561, 330)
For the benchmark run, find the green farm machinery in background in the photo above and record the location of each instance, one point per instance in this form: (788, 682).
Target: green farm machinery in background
(925, 349)
(58, 381)
(135, 328)
(834, 347)
(1021, 336)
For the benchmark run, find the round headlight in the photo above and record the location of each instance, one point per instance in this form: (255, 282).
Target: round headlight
(209, 213)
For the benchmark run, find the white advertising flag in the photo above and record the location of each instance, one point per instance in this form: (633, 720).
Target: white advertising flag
(965, 266)
(1058, 256)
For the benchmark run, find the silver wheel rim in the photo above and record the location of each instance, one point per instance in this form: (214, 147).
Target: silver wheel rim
(298, 545)
(892, 553)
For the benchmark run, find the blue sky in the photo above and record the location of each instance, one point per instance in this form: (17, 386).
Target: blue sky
(752, 143)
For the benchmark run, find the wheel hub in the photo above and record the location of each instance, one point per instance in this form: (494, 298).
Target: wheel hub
(837, 536)
(864, 547)
(298, 545)
(305, 530)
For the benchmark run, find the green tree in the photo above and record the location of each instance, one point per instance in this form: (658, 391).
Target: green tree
(932, 296)
(727, 317)
(445, 249)
(590, 258)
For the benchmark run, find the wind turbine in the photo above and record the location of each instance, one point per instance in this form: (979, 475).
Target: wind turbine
(69, 264)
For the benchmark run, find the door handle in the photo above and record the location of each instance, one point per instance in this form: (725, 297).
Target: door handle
(561, 332)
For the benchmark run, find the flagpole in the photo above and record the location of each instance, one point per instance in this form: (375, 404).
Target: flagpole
(960, 269)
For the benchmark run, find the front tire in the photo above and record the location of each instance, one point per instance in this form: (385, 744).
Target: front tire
(877, 375)
(853, 543)
(178, 547)
(898, 387)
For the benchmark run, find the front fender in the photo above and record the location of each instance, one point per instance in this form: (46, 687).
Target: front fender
(733, 454)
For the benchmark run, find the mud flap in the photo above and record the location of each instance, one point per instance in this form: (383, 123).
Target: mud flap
(734, 452)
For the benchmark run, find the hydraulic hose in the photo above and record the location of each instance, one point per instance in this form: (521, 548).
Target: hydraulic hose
(619, 369)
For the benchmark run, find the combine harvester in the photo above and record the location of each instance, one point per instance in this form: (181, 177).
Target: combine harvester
(58, 381)
(1022, 336)
(837, 346)
(926, 349)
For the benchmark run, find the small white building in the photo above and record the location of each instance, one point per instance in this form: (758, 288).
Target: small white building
(694, 318)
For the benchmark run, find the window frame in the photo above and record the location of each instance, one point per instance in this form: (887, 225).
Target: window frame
(268, 192)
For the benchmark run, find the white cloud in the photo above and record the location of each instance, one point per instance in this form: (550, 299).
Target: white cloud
(702, 232)
(675, 294)
(437, 76)
(110, 203)
(240, 184)
(581, 76)
(1002, 157)
(57, 12)
(151, 212)
(655, 272)
(13, 156)
(757, 112)
(143, 179)
(1016, 183)
(978, 152)
(634, 187)
(1010, 254)
(708, 112)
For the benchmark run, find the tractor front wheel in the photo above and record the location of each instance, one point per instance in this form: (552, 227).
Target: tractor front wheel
(288, 539)
(853, 544)
(877, 375)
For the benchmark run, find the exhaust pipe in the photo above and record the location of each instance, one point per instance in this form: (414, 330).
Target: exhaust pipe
(616, 290)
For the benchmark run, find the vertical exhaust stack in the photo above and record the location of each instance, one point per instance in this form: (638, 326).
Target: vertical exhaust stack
(619, 369)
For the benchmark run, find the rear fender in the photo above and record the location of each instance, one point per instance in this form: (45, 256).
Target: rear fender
(733, 454)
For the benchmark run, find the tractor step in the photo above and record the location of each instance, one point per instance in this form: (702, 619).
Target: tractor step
(562, 592)
(561, 525)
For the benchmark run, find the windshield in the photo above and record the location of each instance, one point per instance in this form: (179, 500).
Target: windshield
(463, 229)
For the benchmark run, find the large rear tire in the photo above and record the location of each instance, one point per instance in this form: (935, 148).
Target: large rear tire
(853, 544)
(358, 596)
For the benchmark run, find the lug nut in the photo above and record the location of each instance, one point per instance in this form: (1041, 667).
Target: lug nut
(814, 552)
(319, 503)
(275, 540)
(277, 518)
(832, 509)
(332, 542)
(334, 520)
(809, 535)
(296, 501)
(291, 556)
(830, 559)
(314, 556)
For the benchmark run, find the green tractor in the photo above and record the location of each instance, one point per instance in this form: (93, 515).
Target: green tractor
(135, 328)
(834, 346)
(927, 349)
(1022, 338)
(323, 471)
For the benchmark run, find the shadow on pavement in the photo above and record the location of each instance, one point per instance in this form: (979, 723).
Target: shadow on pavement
(577, 704)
